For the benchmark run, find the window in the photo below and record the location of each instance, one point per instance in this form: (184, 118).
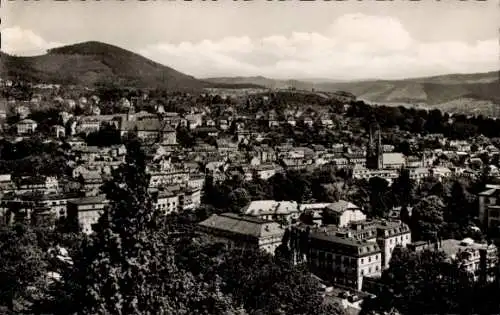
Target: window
(370, 269)
(362, 261)
(369, 259)
(362, 272)
(376, 268)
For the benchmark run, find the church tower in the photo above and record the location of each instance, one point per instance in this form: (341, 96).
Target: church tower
(374, 151)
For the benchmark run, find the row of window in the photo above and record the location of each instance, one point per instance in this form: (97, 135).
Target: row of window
(369, 270)
(391, 241)
(369, 259)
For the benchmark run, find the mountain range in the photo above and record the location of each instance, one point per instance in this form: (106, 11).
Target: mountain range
(93, 63)
(478, 91)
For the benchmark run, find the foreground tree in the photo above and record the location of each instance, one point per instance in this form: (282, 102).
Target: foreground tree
(127, 266)
(422, 283)
(23, 268)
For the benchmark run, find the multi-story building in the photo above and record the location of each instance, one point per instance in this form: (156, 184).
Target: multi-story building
(45, 184)
(343, 260)
(273, 210)
(85, 212)
(489, 208)
(26, 126)
(91, 183)
(389, 235)
(478, 259)
(244, 231)
(342, 212)
(167, 202)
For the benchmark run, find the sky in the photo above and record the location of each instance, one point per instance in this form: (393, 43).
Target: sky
(337, 40)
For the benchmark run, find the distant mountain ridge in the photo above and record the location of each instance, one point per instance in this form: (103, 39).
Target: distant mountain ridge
(93, 63)
(467, 93)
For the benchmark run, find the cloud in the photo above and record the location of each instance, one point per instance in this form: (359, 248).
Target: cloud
(354, 46)
(16, 40)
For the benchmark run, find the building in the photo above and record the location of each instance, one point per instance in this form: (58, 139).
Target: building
(44, 184)
(374, 152)
(91, 183)
(342, 212)
(244, 230)
(479, 260)
(26, 126)
(167, 202)
(150, 130)
(389, 235)
(489, 208)
(393, 160)
(281, 211)
(85, 212)
(345, 261)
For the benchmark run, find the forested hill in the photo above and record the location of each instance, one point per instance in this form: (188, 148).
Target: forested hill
(95, 63)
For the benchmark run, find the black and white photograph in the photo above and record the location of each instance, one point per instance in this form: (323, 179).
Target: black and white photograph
(249, 157)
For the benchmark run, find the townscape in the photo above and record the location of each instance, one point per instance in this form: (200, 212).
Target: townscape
(118, 200)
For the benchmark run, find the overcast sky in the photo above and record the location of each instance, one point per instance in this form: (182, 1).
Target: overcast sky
(323, 39)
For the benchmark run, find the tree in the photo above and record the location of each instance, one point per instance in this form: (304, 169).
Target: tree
(422, 283)
(238, 198)
(403, 189)
(427, 218)
(23, 267)
(127, 266)
(262, 284)
(380, 202)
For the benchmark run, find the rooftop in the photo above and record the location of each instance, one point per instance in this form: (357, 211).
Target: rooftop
(263, 207)
(243, 225)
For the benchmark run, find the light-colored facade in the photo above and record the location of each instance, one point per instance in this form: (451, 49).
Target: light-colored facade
(389, 235)
(273, 210)
(489, 208)
(342, 212)
(343, 260)
(244, 230)
(479, 260)
(26, 126)
(167, 202)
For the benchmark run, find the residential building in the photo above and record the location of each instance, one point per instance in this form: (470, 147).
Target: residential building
(244, 230)
(167, 202)
(26, 126)
(85, 212)
(480, 260)
(280, 211)
(489, 208)
(389, 235)
(342, 212)
(345, 261)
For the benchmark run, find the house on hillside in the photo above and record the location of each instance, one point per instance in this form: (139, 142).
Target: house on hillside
(26, 126)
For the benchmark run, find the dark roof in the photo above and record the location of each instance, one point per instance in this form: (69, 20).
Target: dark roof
(243, 225)
(146, 125)
(89, 200)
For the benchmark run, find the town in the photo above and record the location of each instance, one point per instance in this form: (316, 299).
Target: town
(368, 199)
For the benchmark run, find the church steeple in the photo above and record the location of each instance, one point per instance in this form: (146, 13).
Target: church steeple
(374, 152)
